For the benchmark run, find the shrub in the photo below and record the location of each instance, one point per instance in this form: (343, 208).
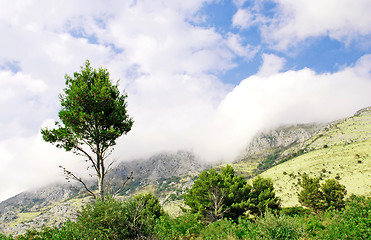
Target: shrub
(354, 222)
(295, 211)
(221, 229)
(113, 219)
(272, 226)
(186, 226)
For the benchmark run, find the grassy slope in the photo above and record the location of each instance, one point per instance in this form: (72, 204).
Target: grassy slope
(343, 149)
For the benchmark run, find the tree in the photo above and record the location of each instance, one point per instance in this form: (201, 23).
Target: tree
(93, 116)
(263, 196)
(216, 195)
(324, 196)
(310, 196)
(333, 194)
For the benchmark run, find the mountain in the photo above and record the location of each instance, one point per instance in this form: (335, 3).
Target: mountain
(273, 146)
(340, 149)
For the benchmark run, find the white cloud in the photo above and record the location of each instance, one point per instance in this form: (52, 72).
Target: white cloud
(234, 42)
(239, 3)
(271, 64)
(243, 19)
(261, 102)
(296, 20)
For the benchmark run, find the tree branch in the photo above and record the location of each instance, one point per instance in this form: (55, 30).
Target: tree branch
(89, 157)
(124, 184)
(70, 175)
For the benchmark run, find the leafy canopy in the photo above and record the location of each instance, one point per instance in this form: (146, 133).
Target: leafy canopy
(93, 112)
(216, 195)
(324, 196)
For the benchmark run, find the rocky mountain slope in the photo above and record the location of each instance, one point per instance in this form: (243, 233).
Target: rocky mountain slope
(270, 147)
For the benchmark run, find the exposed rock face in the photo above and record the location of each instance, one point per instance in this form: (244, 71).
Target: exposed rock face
(163, 165)
(37, 199)
(280, 138)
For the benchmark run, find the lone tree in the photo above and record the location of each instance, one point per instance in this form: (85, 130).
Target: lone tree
(93, 116)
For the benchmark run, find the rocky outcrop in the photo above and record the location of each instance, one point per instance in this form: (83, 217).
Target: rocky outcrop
(279, 139)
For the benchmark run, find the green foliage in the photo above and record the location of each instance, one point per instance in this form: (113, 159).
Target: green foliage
(324, 196)
(262, 196)
(104, 220)
(221, 229)
(93, 111)
(333, 194)
(142, 212)
(294, 211)
(93, 116)
(114, 219)
(272, 226)
(216, 195)
(310, 196)
(186, 226)
(269, 161)
(354, 222)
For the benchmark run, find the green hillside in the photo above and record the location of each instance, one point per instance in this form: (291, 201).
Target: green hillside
(342, 151)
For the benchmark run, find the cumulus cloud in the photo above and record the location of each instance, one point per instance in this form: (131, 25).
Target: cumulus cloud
(243, 18)
(271, 64)
(296, 20)
(234, 42)
(260, 102)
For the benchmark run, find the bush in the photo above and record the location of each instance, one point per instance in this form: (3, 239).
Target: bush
(294, 211)
(186, 226)
(272, 226)
(221, 229)
(354, 222)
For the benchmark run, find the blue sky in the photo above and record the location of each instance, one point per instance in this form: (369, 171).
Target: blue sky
(201, 75)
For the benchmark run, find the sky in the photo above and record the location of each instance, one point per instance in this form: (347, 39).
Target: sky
(201, 75)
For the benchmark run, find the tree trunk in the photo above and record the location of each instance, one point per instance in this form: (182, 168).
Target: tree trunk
(101, 188)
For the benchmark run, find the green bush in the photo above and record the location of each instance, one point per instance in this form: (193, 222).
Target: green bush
(294, 211)
(272, 226)
(186, 226)
(354, 222)
(221, 229)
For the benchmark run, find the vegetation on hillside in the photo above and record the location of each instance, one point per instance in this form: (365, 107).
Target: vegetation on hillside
(142, 217)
